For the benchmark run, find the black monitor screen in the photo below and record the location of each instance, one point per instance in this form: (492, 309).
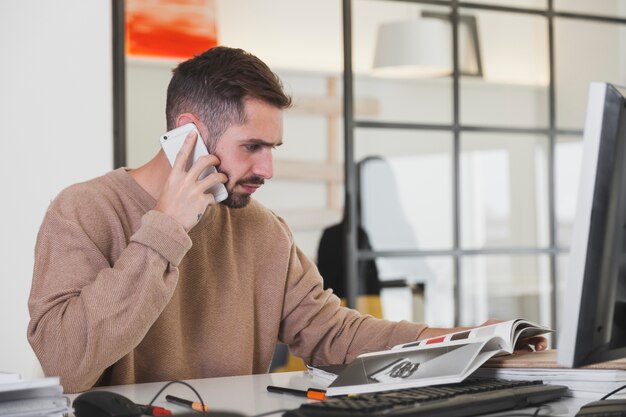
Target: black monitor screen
(593, 327)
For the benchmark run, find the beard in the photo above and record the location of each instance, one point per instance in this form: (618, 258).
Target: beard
(237, 200)
(240, 200)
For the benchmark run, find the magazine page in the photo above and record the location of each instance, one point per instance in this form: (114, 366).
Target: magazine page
(501, 336)
(524, 329)
(496, 337)
(438, 360)
(326, 372)
(395, 369)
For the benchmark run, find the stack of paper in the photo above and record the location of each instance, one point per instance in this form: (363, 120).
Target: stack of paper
(34, 398)
(593, 382)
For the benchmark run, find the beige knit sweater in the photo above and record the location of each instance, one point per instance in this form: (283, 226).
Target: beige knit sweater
(122, 294)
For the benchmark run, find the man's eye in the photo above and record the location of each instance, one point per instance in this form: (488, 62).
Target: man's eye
(252, 147)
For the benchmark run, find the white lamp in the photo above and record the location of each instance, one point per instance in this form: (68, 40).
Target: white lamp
(413, 48)
(423, 47)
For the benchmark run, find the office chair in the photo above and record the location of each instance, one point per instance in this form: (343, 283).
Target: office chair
(331, 264)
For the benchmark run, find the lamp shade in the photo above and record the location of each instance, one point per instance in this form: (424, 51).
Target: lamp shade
(413, 48)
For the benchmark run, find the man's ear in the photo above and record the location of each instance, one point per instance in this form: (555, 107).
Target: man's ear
(185, 118)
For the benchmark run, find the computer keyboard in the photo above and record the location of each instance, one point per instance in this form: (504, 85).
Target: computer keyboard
(468, 398)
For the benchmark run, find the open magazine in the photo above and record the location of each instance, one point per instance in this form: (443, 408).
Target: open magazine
(438, 360)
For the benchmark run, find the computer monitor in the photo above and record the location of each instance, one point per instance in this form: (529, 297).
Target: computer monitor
(593, 325)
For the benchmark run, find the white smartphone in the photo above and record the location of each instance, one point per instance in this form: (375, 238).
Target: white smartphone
(172, 141)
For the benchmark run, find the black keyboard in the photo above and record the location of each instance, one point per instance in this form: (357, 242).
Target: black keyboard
(468, 398)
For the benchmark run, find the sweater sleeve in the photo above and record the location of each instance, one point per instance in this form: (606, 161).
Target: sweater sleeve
(88, 311)
(319, 330)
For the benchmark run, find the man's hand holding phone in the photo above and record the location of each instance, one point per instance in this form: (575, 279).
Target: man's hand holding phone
(184, 195)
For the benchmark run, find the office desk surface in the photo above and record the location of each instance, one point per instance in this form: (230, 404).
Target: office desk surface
(248, 394)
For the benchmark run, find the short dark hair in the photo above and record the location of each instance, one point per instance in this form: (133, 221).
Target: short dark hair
(214, 86)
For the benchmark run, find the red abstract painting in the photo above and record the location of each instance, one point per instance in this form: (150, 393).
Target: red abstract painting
(177, 29)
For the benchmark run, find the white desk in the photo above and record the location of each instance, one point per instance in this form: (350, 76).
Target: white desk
(248, 394)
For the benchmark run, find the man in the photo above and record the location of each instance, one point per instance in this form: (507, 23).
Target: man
(139, 276)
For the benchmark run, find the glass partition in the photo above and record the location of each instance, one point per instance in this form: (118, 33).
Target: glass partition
(506, 287)
(406, 188)
(513, 90)
(504, 200)
(612, 8)
(568, 158)
(598, 55)
(428, 293)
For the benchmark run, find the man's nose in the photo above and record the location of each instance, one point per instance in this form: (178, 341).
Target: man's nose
(263, 166)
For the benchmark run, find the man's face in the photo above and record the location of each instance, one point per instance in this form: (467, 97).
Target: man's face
(245, 151)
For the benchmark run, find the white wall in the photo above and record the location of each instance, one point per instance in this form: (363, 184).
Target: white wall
(56, 118)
